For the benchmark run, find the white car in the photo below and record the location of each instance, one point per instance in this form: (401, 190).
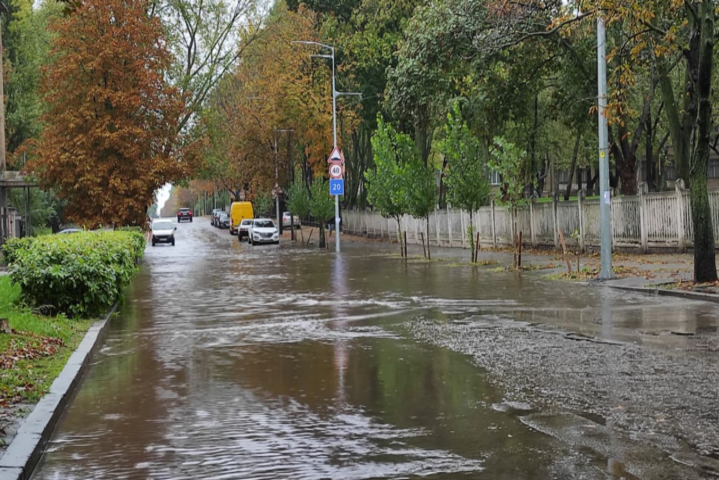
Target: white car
(287, 220)
(263, 230)
(244, 229)
(163, 231)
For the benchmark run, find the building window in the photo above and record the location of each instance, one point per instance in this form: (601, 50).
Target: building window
(494, 178)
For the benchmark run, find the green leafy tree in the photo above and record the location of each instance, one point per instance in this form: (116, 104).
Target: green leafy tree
(508, 160)
(386, 181)
(262, 204)
(467, 175)
(322, 205)
(420, 191)
(298, 199)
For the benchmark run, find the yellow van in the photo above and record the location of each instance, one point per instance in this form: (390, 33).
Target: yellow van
(238, 212)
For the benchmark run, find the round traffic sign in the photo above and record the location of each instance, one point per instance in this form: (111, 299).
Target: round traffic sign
(336, 170)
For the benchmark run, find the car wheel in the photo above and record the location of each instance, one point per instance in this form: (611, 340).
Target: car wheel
(153, 244)
(173, 243)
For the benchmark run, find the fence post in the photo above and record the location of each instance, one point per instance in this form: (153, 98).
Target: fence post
(449, 224)
(494, 228)
(580, 206)
(643, 230)
(464, 230)
(555, 199)
(681, 239)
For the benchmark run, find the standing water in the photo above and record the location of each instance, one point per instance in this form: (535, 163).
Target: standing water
(228, 361)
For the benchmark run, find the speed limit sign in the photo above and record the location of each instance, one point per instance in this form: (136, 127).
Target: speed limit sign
(335, 170)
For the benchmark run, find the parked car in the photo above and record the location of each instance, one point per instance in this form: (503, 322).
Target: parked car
(238, 212)
(163, 231)
(263, 230)
(184, 214)
(223, 220)
(215, 214)
(69, 230)
(287, 220)
(244, 229)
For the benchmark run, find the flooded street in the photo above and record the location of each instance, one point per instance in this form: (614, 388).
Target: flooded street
(280, 362)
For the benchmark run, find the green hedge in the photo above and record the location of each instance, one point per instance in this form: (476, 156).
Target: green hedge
(80, 274)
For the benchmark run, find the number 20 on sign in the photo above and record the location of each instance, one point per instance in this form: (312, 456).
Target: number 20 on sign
(337, 187)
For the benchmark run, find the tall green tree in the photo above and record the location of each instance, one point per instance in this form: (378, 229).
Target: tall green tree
(322, 205)
(298, 199)
(420, 191)
(27, 40)
(507, 160)
(386, 183)
(467, 173)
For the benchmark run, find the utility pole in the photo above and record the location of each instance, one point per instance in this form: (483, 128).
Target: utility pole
(605, 209)
(335, 94)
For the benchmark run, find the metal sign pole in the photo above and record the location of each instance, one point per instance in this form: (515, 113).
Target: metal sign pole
(605, 211)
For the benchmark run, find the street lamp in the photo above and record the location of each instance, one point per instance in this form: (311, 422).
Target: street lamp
(335, 94)
(277, 179)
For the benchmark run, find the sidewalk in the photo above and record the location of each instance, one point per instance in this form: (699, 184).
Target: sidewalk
(656, 274)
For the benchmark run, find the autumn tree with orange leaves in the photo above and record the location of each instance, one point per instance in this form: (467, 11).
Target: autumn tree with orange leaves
(112, 120)
(277, 93)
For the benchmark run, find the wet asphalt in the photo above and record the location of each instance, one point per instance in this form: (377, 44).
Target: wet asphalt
(228, 361)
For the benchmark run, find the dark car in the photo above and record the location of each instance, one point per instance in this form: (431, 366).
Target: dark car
(184, 214)
(223, 220)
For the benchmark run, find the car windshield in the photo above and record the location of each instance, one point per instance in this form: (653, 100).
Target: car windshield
(264, 224)
(223, 215)
(246, 222)
(162, 226)
(184, 209)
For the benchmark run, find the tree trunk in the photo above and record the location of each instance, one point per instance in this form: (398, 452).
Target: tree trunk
(574, 165)
(650, 162)
(322, 235)
(429, 254)
(704, 254)
(470, 232)
(402, 253)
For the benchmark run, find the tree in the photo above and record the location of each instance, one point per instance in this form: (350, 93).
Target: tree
(467, 174)
(506, 160)
(420, 191)
(386, 181)
(111, 125)
(26, 40)
(298, 199)
(322, 205)
(262, 204)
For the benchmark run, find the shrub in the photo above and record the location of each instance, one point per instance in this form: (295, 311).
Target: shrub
(12, 246)
(81, 274)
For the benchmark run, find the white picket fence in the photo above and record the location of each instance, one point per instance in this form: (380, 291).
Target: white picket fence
(647, 221)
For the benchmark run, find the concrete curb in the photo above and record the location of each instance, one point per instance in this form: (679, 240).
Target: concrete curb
(24, 452)
(706, 297)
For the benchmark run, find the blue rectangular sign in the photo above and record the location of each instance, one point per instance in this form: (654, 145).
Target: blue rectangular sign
(337, 187)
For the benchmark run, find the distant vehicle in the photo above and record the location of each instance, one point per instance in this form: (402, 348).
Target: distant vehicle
(244, 230)
(287, 220)
(263, 230)
(238, 212)
(163, 231)
(69, 230)
(215, 214)
(184, 214)
(223, 220)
